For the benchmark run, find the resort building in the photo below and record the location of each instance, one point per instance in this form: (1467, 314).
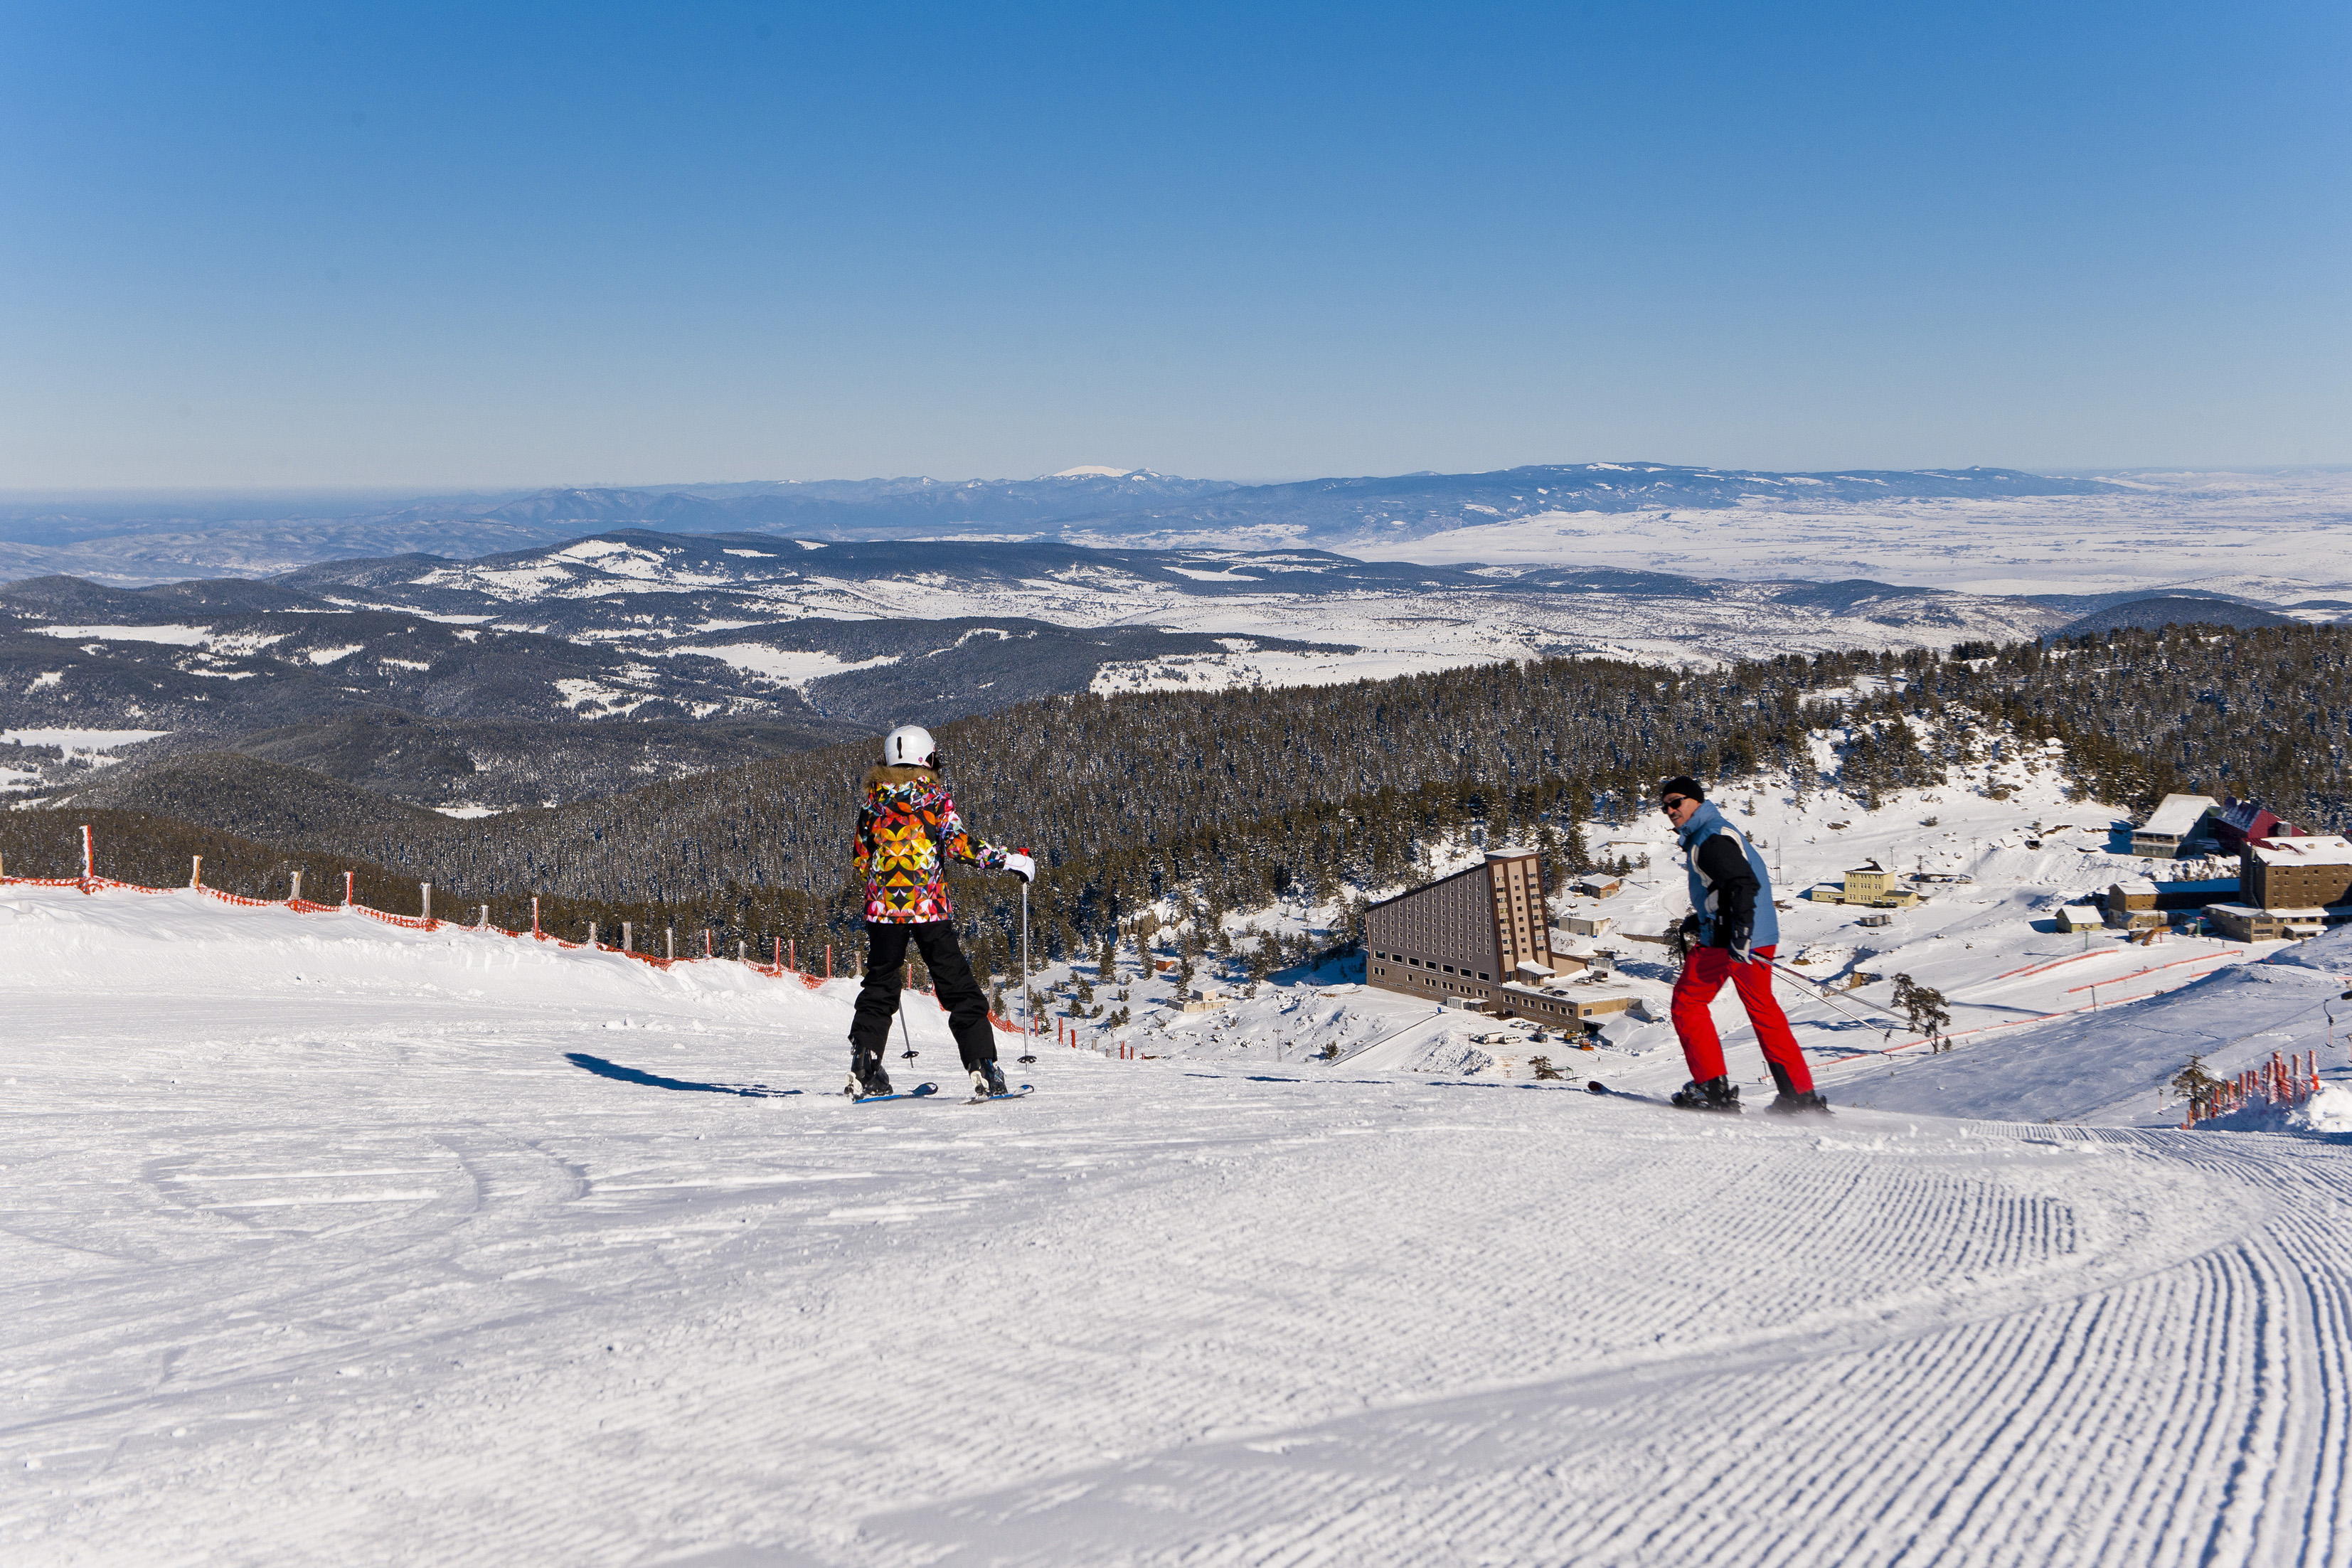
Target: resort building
(1466, 934)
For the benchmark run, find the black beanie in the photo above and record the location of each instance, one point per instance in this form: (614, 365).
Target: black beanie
(1681, 784)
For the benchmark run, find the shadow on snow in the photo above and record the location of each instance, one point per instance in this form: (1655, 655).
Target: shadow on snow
(620, 1074)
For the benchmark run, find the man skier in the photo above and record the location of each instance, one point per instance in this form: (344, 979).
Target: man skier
(907, 825)
(1736, 931)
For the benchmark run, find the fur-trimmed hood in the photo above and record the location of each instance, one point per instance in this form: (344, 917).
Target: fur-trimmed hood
(890, 775)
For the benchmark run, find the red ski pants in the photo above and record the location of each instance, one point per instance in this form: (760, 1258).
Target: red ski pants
(1703, 977)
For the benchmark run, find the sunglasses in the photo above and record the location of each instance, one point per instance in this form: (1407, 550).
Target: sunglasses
(1670, 801)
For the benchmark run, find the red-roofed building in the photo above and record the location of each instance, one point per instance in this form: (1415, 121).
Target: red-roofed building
(2239, 822)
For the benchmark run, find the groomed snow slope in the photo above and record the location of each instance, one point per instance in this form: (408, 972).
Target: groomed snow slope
(327, 1242)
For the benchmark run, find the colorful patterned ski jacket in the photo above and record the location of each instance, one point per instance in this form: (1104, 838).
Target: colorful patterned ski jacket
(907, 829)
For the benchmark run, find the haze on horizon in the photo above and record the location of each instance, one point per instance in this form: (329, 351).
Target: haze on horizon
(435, 248)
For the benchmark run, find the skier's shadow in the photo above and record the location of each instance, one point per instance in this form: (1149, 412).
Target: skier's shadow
(620, 1074)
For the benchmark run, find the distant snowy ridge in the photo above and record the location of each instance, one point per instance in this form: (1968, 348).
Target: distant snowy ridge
(113, 543)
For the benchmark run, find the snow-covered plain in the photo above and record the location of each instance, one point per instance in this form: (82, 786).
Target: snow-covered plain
(331, 1242)
(1406, 631)
(2270, 535)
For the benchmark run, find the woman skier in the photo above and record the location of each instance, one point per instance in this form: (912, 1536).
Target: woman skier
(907, 829)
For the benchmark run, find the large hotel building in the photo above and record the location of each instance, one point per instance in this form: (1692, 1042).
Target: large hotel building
(1462, 935)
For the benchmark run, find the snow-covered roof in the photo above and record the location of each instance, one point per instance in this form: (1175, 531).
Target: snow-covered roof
(2294, 916)
(2313, 849)
(2178, 815)
(2079, 912)
(2135, 885)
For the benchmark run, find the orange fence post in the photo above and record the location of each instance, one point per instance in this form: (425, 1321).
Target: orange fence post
(347, 884)
(828, 960)
(88, 857)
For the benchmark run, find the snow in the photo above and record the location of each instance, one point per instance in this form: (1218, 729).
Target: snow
(593, 699)
(2178, 815)
(1220, 672)
(1091, 471)
(1224, 576)
(328, 655)
(80, 740)
(177, 636)
(332, 1241)
(2268, 536)
(793, 667)
(1415, 629)
(2316, 849)
(2327, 1112)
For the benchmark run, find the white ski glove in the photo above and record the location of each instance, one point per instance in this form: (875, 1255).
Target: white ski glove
(1021, 865)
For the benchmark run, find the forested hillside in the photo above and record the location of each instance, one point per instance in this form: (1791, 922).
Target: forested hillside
(1228, 798)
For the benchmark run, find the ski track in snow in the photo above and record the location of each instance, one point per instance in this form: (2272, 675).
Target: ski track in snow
(323, 1241)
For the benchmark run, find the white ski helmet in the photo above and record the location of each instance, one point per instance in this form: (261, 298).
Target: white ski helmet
(908, 746)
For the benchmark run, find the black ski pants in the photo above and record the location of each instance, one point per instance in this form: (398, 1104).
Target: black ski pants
(885, 970)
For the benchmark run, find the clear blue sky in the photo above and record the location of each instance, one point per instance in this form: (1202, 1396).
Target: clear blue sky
(438, 244)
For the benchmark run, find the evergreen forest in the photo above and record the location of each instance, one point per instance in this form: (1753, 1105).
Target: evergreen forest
(1228, 800)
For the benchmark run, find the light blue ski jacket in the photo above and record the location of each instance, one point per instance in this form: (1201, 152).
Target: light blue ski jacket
(1705, 824)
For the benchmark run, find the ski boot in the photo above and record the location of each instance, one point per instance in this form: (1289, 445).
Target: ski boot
(1718, 1094)
(987, 1082)
(867, 1077)
(1808, 1103)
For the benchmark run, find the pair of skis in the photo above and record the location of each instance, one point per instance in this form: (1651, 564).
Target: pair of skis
(925, 1090)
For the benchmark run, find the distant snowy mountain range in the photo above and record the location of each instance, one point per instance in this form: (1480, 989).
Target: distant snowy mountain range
(1144, 507)
(138, 540)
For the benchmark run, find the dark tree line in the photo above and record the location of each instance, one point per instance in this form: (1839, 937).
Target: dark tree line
(1224, 800)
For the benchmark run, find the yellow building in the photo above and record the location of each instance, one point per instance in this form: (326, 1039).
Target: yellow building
(1876, 887)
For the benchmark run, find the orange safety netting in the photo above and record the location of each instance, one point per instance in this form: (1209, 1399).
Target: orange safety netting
(417, 923)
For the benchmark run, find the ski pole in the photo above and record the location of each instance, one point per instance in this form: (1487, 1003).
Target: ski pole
(905, 1032)
(1822, 996)
(1028, 1024)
